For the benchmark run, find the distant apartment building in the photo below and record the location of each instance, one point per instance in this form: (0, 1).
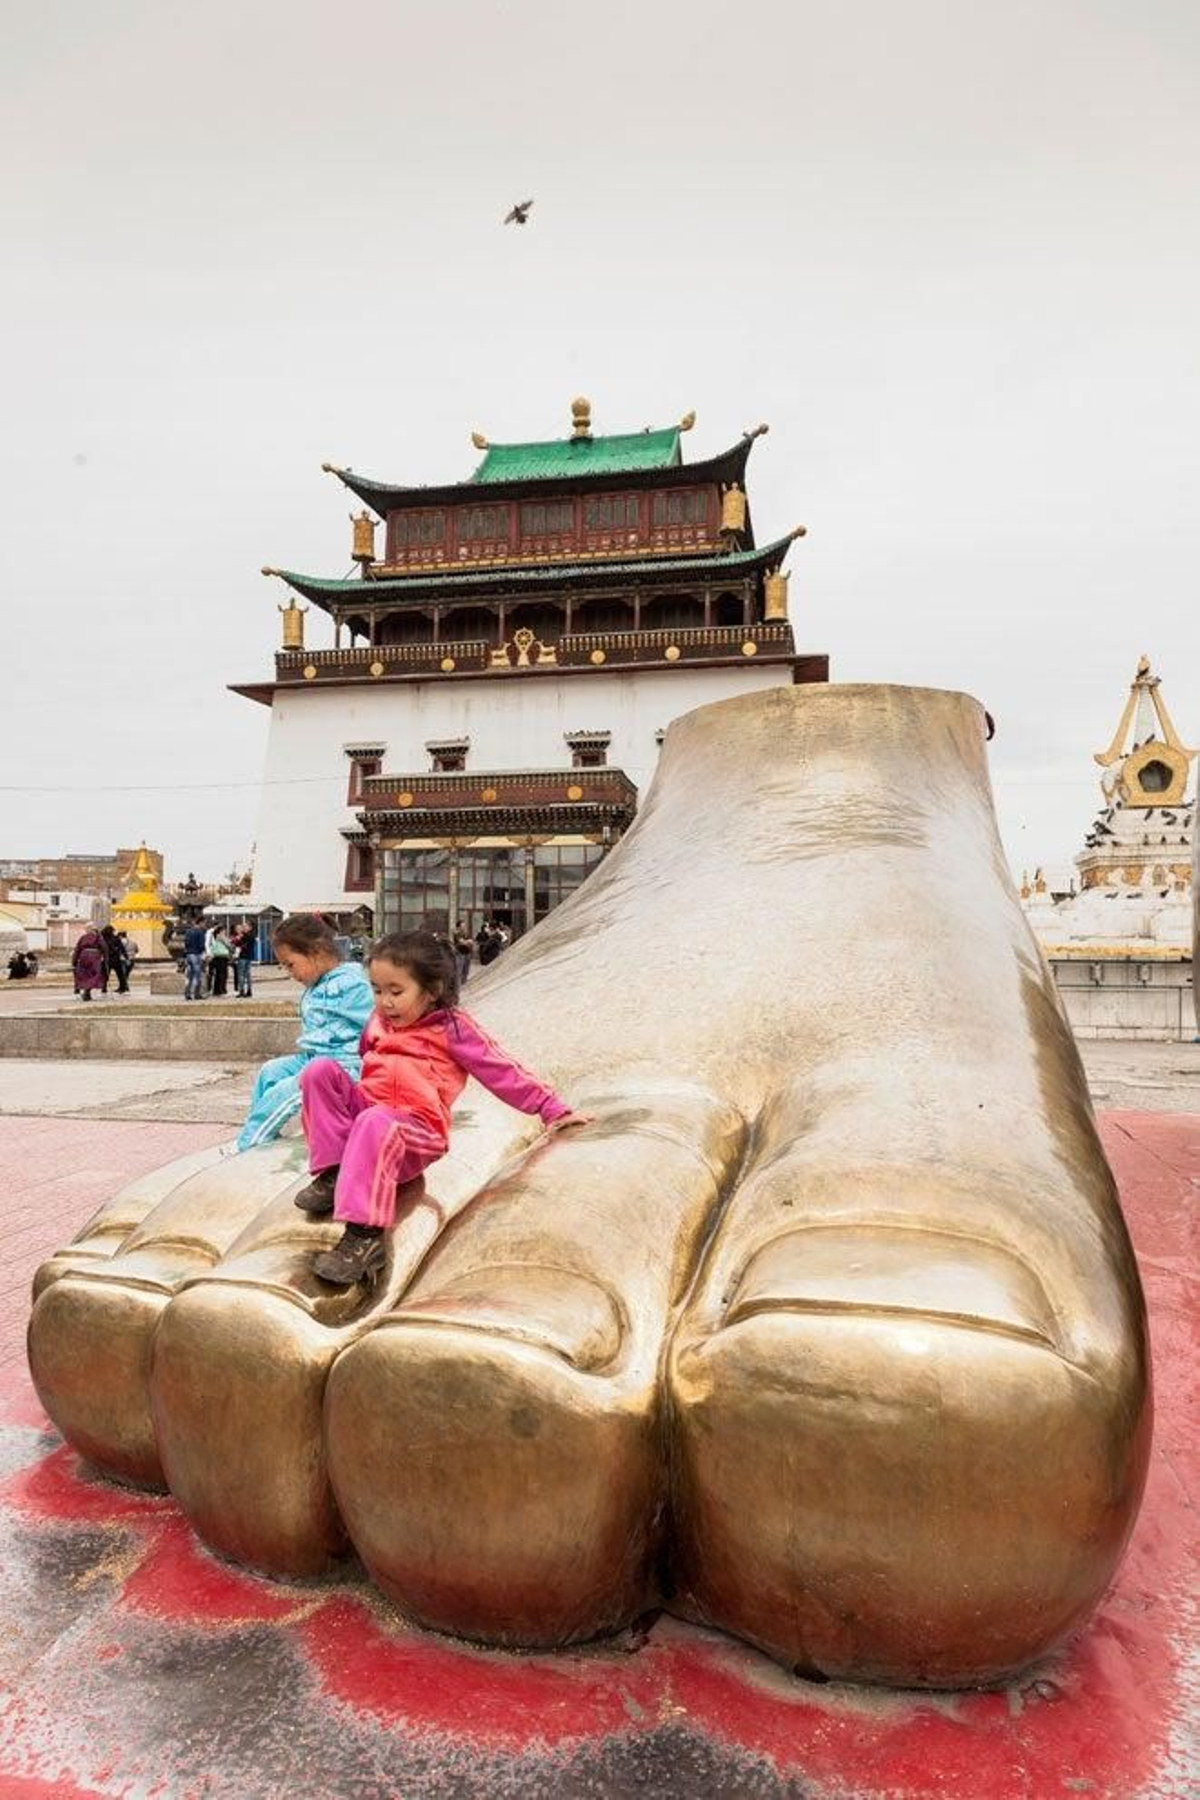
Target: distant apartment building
(81, 873)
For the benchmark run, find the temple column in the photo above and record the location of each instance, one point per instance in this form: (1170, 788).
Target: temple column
(530, 887)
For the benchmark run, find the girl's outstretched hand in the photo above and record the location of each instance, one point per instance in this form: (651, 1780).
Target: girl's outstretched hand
(568, 1120)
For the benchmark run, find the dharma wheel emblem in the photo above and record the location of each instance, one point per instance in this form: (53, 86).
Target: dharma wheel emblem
(523, 643)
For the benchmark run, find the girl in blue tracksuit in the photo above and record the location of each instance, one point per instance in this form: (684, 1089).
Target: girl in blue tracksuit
(334, 1008)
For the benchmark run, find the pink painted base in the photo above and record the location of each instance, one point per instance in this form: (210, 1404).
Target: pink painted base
(136, 1663)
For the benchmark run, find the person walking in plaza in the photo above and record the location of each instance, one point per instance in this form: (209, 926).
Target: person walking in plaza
(219, 953)
(243, 958)
(334, 1008)
(129, 951)
(112, 957)
(194, 939)
(87, 962)
(366, 1138)
(464, 950)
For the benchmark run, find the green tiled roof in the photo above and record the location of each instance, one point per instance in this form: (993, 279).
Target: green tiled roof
(550, 461)
(322, 591)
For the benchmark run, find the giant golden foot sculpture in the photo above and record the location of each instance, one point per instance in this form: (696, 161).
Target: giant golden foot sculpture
(828, 1332)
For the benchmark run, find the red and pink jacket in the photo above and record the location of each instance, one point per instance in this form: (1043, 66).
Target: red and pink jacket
(422, 1068)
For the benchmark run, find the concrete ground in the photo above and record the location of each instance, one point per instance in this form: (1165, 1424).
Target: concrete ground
(133, 1664)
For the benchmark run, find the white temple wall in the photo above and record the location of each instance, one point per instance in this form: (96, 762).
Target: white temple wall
(514, 724)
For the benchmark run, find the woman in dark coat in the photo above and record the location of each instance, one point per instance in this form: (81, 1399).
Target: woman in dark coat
(87, 960)
(114, 960)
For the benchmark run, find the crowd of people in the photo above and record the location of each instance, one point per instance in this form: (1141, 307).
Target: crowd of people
(487, 943)
(209, 952)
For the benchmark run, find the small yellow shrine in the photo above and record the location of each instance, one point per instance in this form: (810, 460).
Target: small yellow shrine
(142, 912)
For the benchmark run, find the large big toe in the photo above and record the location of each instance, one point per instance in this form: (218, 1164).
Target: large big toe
(903, 1453)
(496, 1443)
(93, 1327)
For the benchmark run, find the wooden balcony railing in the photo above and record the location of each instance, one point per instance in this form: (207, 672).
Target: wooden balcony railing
(475, 656)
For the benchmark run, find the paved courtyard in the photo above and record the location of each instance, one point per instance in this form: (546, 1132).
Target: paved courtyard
(134, 1664)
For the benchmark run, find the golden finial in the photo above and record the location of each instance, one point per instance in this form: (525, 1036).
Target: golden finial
(293, 624)
(332, 468)
(479, 441)
(798, 531)
(363, 539)
(759, 431)
(581, 417)
(687, 421)
(268, 570)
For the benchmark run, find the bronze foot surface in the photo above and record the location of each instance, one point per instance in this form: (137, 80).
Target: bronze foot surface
(828, 1332)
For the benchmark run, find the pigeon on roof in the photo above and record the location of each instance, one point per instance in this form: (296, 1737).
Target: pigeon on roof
(519, 214)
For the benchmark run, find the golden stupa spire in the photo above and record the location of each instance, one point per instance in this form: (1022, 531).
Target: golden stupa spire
(1145, 704)
(1146, 763)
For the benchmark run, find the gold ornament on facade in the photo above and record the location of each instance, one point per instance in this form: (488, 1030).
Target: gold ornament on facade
(376, 669)
(479, 441)
(775, 595)
(574, 792)
(749, 648)
(687, 421)
(362, 549)
(489, 796)
(598, 656)
(672, 652)
(523, 643)
(733, 509)
(310, 671)
(405, 799)
(292, 617)
(581, 417)
(448, 665)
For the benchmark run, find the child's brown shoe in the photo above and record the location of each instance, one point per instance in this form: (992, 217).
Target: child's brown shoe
(317, 1198)
(358, 1257)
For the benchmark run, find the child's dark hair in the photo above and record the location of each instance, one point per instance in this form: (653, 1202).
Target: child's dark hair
(306, 933)
(428, 958)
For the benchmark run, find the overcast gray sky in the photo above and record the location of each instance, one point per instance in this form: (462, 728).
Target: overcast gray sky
(951, 252)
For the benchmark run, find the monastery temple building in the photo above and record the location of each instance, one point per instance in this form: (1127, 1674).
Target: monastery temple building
(502, 669)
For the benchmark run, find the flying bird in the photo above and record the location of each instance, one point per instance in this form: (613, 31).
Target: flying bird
(520, 213)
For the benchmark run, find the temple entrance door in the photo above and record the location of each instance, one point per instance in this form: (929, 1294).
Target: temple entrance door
(491, 885)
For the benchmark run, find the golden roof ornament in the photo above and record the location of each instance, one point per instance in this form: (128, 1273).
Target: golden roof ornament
(733, 509)
(581, 417)
(1153, 771)
(775, 595)
(293, 624)
(687, 421)
(362, 548)
(479, 441)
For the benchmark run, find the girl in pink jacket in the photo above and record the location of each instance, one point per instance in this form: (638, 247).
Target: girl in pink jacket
(367, 1137)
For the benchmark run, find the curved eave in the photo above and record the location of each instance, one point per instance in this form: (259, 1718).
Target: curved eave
(355, 594)
(729, 465)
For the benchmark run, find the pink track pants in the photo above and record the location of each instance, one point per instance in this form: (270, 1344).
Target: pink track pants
(377, 1148)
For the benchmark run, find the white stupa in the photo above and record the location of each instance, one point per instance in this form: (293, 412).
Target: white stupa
(1135, 868)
